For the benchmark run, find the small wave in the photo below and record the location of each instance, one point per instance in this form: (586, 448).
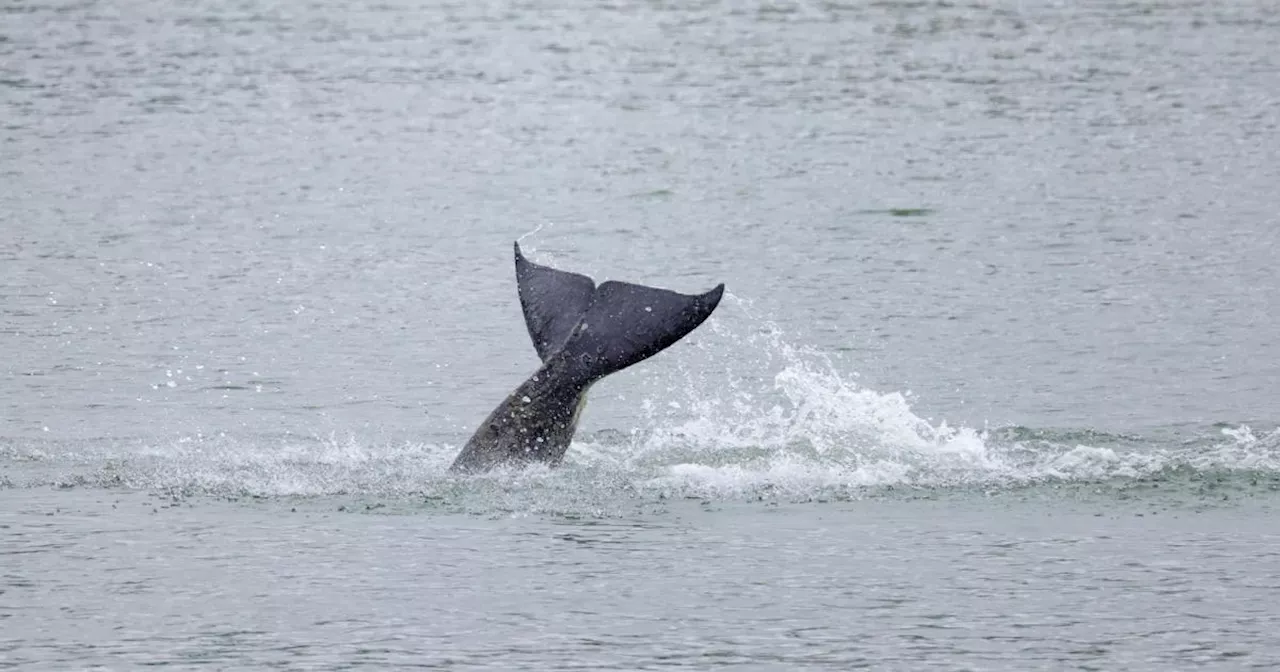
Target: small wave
(606, 474)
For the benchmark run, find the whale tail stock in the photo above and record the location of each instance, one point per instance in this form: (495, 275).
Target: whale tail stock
(607, 328)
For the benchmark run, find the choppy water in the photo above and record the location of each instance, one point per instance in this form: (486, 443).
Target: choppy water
(994, 387)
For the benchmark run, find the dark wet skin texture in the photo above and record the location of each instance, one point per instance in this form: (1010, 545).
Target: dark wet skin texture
(583, 333)
(534, 424)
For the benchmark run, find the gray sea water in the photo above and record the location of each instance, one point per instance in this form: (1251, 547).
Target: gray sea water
(994, 386)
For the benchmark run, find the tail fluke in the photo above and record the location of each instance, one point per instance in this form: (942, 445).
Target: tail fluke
(607, 328)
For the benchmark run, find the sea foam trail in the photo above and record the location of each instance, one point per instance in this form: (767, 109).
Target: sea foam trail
(739, 412)
(748, 412)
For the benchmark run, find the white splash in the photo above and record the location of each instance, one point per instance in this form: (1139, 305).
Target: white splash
(733, 414)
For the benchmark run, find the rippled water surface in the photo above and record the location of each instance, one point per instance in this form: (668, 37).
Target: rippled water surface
(994, 386)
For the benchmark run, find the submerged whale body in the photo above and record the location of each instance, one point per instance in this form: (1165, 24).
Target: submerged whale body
(582, 333)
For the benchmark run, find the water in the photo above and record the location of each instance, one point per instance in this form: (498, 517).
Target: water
(993, 387)
(917, 585)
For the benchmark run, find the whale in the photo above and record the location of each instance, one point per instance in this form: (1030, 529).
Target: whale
(582, 332)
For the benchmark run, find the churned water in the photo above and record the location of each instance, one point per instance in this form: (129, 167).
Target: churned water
(993, 387)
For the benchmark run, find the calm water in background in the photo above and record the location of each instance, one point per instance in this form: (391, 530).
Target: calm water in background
(995, 387)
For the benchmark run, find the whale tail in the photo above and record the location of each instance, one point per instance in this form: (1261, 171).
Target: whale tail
(607, 328)
(582, 333)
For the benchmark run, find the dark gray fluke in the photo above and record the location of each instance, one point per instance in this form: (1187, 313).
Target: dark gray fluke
(582, 333)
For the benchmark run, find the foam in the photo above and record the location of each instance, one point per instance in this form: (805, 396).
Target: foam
(739, 414)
